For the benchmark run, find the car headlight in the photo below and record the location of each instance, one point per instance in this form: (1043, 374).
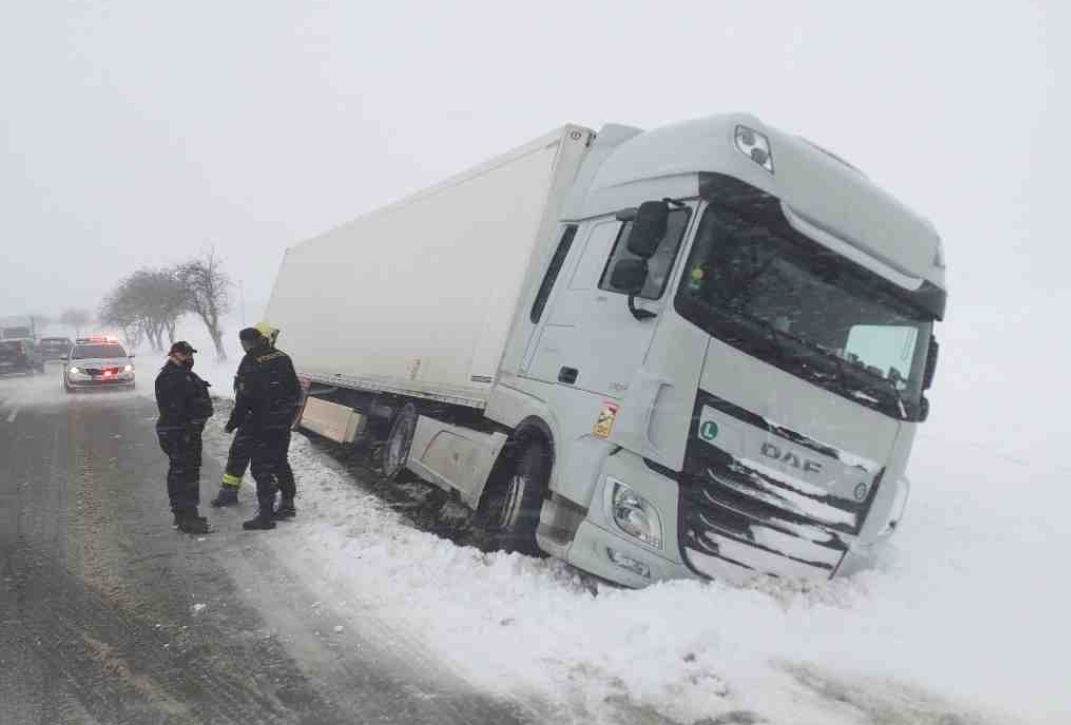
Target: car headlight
(74, 371)
(755, 146)
(128, 369)
(635, 515)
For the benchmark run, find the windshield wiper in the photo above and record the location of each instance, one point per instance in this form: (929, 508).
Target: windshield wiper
(819, 352)
(813, 356)
(861, 390)
(891, 386)
(775, 335)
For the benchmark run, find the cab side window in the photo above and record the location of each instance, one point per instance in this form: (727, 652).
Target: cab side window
(551, 274)
(660, 265)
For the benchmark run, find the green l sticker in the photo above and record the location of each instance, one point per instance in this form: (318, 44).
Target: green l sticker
(708, 431)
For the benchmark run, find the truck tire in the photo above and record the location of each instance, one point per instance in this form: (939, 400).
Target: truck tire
(395, 451)
(511, 511)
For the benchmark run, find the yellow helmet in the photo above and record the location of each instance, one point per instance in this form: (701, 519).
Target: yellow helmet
(268, 331)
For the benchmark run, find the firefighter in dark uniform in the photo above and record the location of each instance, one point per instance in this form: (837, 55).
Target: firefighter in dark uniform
(264, 407)
(241, 449)
(185, 406)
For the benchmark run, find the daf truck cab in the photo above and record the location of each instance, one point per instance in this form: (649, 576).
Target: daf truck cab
(697, 351)
(733, 353)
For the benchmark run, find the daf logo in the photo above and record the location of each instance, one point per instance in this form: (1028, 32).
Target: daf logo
(790, 459)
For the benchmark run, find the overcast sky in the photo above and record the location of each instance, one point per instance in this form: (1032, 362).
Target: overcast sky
(136, 133)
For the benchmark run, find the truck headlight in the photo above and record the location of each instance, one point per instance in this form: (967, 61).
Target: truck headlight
(755, 146)
(635, 515)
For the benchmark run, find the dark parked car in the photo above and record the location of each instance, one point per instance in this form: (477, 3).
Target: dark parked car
(54, 348)
(19, 356)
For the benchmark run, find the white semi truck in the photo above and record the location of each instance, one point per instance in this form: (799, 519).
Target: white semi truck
(701, 350)
(14, 328)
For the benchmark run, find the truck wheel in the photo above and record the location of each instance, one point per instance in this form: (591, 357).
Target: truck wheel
(396, 448)
(512, 509)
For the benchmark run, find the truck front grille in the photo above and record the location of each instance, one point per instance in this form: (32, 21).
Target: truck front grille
(738, 515)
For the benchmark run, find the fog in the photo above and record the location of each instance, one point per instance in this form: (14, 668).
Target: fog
(137, 134)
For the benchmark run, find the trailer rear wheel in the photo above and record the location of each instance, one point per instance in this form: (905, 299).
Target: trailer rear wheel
(395, 451)
(511, 512)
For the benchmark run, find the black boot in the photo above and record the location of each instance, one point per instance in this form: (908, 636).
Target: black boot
(261, 522)
(228, 496)
(191, 523)
(285, 509)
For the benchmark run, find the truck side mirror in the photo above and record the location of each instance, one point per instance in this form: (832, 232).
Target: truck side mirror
(648, 228)
(931, 363)
(629, 276)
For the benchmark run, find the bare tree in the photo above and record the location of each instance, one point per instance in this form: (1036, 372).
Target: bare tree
(119, 309)
(162, 300)
(146, 305)
(207, 289)
(76, 318)
(172, 301)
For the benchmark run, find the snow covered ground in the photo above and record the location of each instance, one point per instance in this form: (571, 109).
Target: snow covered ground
(963, 621)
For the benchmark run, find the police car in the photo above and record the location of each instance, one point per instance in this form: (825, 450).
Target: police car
(98, 362)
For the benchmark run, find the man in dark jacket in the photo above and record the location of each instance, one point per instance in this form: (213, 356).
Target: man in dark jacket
(241, 450)
(267, 397)
(185, 405)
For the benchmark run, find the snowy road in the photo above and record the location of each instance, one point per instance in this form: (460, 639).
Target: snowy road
(352, 614)
(107, 615)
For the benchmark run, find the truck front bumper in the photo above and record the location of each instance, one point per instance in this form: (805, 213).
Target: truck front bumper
(603, 548)
(83, 381)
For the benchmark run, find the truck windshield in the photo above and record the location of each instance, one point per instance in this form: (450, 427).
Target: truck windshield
(788, 301)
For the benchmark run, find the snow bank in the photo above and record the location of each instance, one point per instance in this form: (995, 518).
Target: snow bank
(962, 622)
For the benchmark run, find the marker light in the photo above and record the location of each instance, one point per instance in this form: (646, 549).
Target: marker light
(755, 146)
(627, 562)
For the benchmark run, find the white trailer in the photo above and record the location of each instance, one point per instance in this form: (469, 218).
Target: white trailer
(695, 351)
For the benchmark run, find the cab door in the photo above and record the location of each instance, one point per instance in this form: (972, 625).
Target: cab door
(588, 338)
